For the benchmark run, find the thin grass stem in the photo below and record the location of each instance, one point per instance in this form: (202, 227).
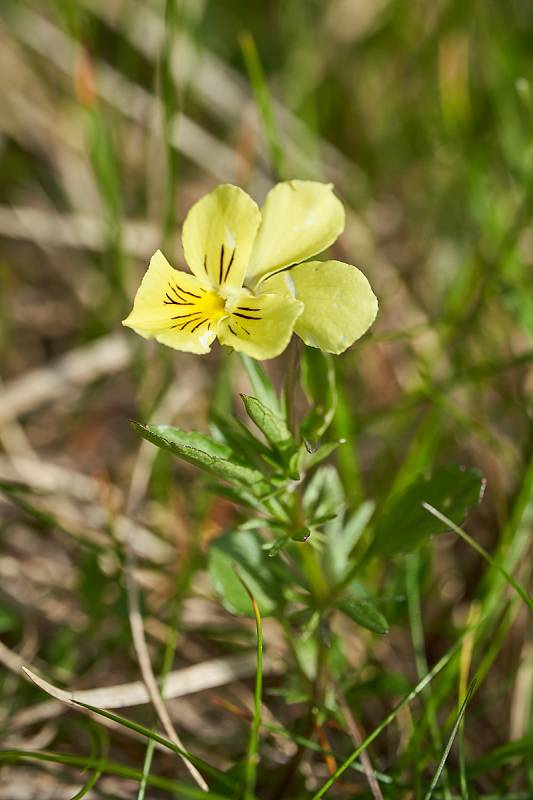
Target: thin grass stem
(482, 552)
(252, 756)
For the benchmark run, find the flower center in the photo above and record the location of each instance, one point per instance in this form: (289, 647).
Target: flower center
(213, 306)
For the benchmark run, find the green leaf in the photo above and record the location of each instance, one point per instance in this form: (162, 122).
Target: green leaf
(405, 523)
(237, 495)
(271, 425)
(293, 466)
(324, 496)
(318, 379)
(261, 383)
(273, 548)
(243, 549)
(312, 457)
(192, 439)
(201, 451)
(364, 613)
(239, 438)
(341, 539)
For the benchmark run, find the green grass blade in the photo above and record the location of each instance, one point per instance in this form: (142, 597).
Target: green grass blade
(482, 552)
(412, 572)
(421, 685)
(170, 97)
(252, 756)
(177, 788)
(147, 766)
(199, 763)
(100, 741)
(134, 726)
(261, 91)
(450, 742)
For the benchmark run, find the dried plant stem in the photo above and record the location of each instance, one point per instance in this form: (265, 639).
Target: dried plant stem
(358, 741)
(143, 657)
(137, 487)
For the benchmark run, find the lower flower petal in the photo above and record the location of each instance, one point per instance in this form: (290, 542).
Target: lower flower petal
(259, 325)
(339, 304)
(174, 308)
(199, 341)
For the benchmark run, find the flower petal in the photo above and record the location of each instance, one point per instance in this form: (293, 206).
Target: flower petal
(260, 326)
(218, 235)
(339, 302)
(198, 342)
(300, 219)
(174, 308)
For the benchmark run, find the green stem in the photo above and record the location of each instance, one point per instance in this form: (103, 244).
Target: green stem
(309, 558)
(314, 574)
(286, 788)
(412, 571)
(291, 382)
(253, 745)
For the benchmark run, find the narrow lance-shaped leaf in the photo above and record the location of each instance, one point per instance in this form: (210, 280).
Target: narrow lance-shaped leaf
(342, 539)
(200, 441)
(271, 425)
(197, 449)
(324, 495)
(311, 458)
(365, 613)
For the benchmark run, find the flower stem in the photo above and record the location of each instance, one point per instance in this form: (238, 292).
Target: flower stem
(290, 384)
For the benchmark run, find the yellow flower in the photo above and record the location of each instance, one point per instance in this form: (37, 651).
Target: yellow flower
(248, 285)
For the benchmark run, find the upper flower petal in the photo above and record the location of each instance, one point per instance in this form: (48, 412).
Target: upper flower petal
(218, 235)
(339, 304)
(300, 219)
(260, 326)
(174, 308)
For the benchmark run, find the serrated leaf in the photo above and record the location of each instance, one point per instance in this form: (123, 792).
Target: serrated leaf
(243, 549)
(200, 441)
(405, 524)
(189, 448)
(365, 614)
(271, 425)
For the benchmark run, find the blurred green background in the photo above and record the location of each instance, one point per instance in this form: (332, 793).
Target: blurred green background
(115, 116)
